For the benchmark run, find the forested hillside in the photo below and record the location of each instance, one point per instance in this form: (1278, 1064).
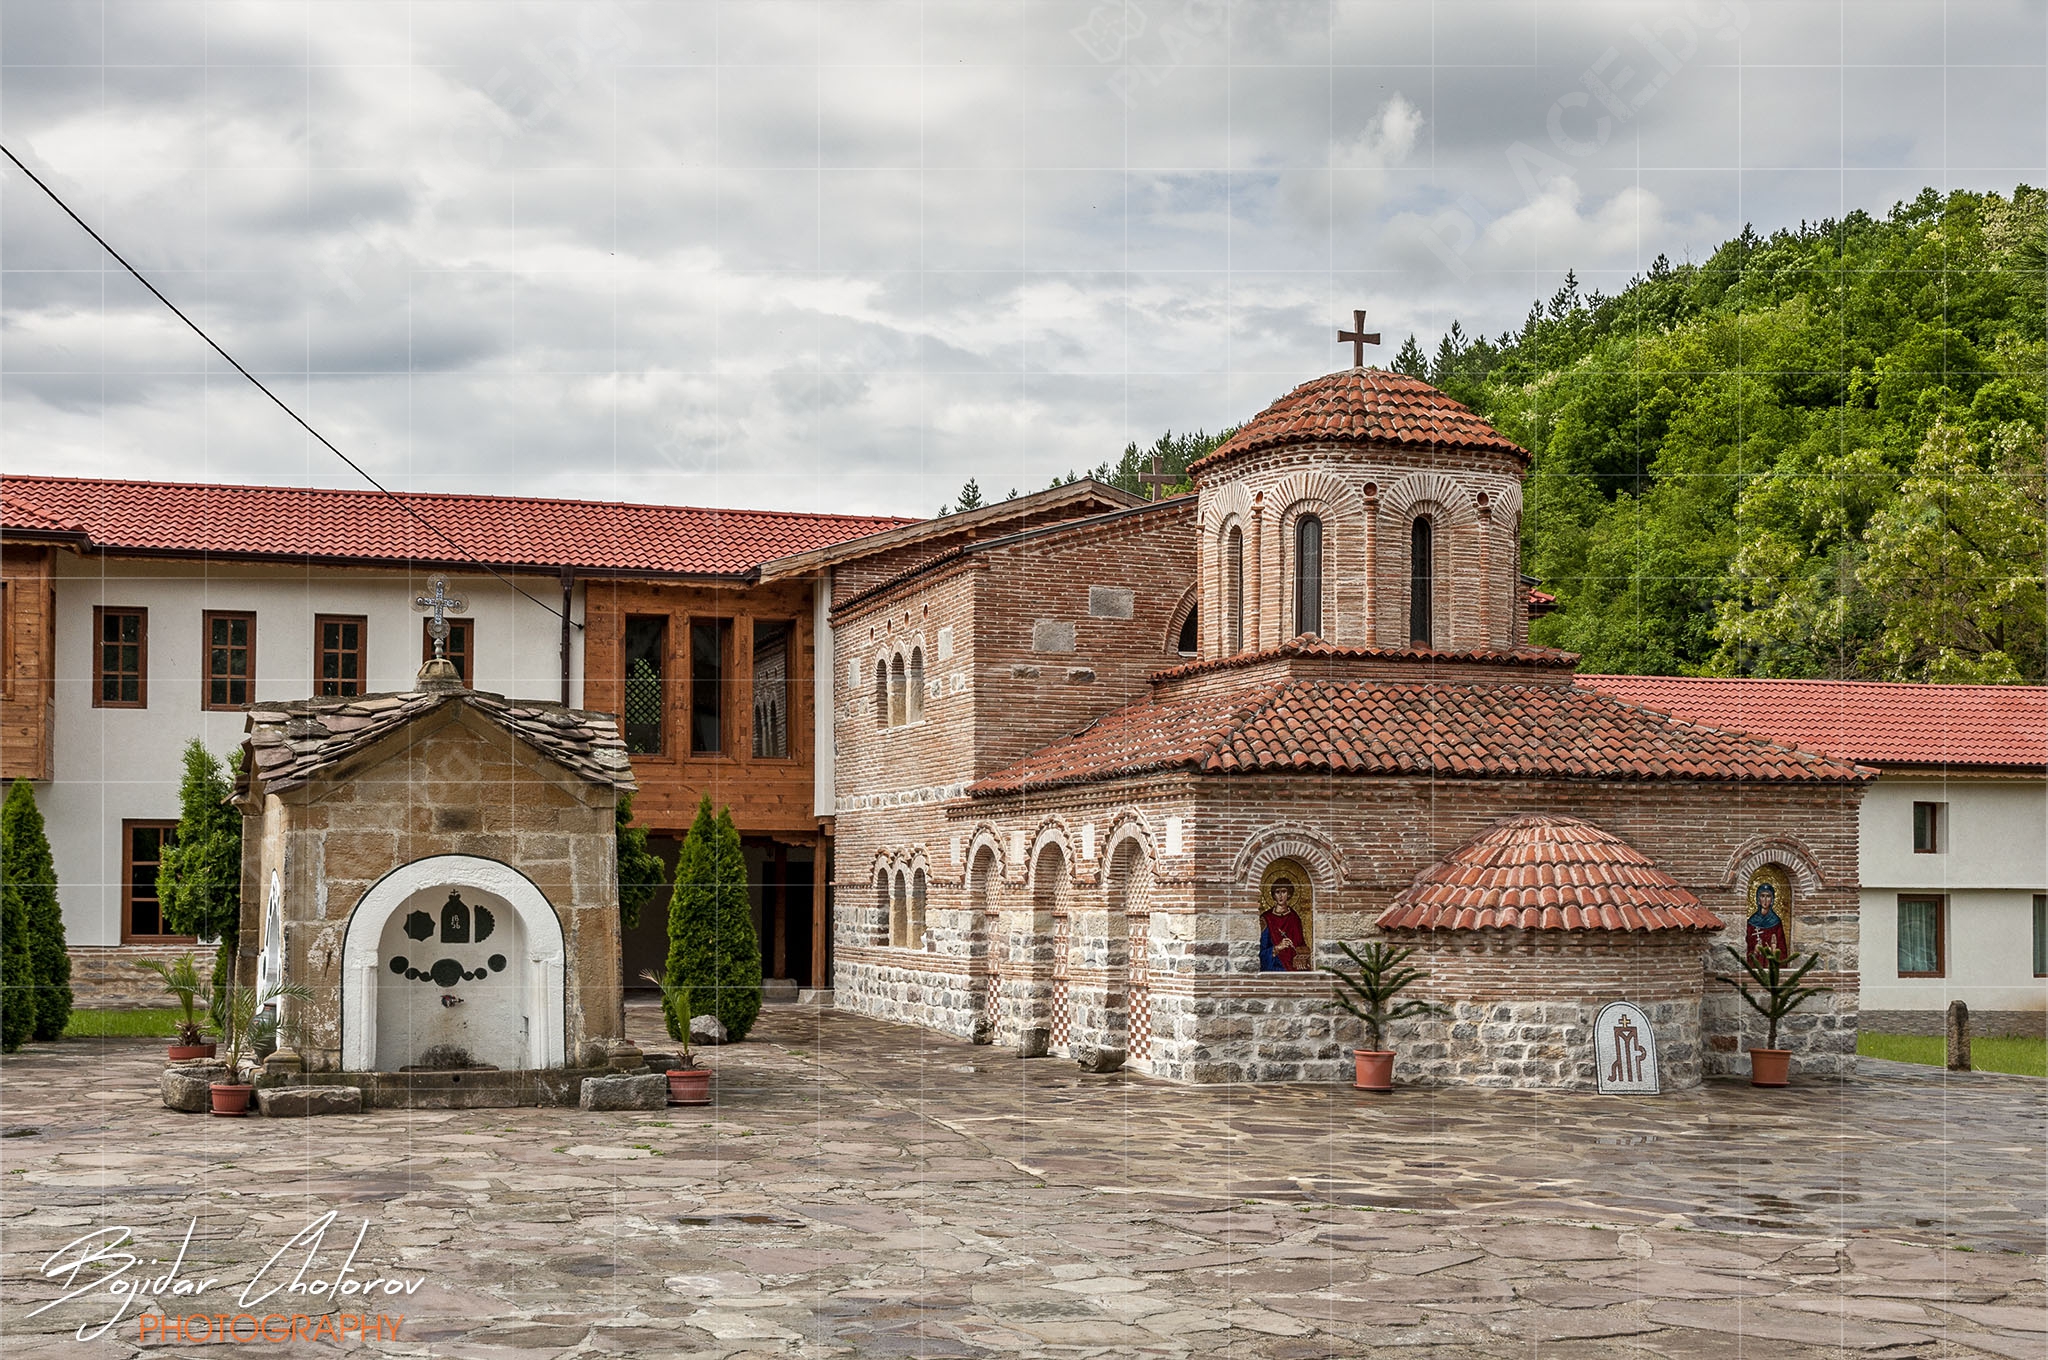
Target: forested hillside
(1818, 453)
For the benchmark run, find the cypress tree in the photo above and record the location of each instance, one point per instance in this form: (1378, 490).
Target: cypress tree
(738, 995)
(712, 949)
(17, 970)
(199, 881)
(31, 875)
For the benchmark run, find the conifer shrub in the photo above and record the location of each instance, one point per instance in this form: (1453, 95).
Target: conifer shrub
(199, 881)
(17, 971)
(31, 875)
(712, 949)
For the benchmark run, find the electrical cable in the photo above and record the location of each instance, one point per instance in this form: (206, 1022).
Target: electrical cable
(326, 443)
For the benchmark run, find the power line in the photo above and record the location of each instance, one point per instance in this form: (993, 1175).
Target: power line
(328, 444)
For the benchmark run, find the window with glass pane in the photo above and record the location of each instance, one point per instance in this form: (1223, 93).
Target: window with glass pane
(709, 640)
(120, 658)
(143, 845)
(340, 666)
(1927, 828)
(230, 660)
(1233, 587)
(1308, 576)
(2041, 934)
(772, 640)
(1421, 583)
(1920, 930)
(646, 698)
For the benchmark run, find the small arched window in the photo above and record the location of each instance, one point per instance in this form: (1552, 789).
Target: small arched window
(914, 711)
(897, 698)
(1233, 592)
(882, 916)
(917, 891)
(1421, 581)
(1190, 633)
(882, 693)
(899, 911)
(1308, 575)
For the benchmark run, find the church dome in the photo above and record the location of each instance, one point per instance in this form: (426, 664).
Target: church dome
(1365, 406)
(1547, 873)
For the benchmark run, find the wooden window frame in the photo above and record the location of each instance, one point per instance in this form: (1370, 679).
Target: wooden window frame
(467, 628)
(725, 636)
(362, 654)
(1940, 901)
(1936, 815)
(99, 673)
(2040, 931)
(206, 676)
(129, 825)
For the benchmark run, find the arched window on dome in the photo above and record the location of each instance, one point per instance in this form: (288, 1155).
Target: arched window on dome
(1421, 581)
(1233, 592)
(1308, 575)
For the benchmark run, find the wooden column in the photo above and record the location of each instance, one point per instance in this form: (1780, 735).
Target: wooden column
(781, 910)
(820, 920)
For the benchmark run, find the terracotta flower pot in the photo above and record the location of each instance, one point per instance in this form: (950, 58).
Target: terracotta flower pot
(231, 1098)
(689, 1086)
(187, 1052)
(1375, 1070)
(1770, 1067)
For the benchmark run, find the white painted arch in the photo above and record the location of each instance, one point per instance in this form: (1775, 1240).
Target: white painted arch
(543, 961)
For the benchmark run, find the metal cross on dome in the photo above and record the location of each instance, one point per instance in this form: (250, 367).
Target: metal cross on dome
(438, 602)
(1358, 338)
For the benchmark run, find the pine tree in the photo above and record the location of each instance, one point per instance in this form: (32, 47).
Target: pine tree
(199, 881)
(712, 948)
(970, 495)
(17, 969)
(30, 876)
(1411, 361)
(640, 869)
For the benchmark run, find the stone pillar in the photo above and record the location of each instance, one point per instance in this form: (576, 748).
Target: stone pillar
(820, 922)
(1958, 1037)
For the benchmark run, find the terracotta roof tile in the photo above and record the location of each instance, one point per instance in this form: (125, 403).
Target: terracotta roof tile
(503, 531)
(1546, 873)
(1364, 406)
(1871, 722)
(292, 743)
(18, 516)
(1368, 727)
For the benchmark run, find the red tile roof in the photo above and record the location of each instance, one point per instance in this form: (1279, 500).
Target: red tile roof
(1368, 727)
(1546, 873)
(1364, 406)
(1870, 722)
(504, 531)
(19, 517)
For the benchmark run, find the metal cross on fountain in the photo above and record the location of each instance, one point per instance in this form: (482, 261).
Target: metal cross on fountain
(438, 602)
(1358, 338)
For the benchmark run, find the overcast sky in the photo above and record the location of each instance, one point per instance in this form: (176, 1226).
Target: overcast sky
(844, 254)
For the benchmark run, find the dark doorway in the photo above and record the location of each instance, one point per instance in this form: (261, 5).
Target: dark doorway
(645, 946)
(779, 877)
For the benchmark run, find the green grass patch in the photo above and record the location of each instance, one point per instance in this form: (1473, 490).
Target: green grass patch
(144, 1023)
(2019, 1057)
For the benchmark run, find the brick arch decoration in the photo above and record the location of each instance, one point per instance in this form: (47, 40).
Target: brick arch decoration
(1315, 851)
(1223, 509)
(984, 837)
(1051, 831)
(1126, 827)
(1786, 851)
(1170, 644)
(1341, 506)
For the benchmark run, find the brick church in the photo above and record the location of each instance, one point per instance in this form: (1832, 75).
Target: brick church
(1124, 782)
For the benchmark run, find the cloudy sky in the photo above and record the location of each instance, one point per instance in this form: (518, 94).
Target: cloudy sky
(844, 254)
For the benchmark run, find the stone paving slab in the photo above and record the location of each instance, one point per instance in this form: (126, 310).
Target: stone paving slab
(858, 1189)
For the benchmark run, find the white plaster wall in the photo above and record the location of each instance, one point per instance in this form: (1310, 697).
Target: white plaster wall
(112, 764)
(1994, 858)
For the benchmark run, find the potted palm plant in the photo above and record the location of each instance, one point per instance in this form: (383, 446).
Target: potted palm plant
(1778, 995)
(1372, 994)
(235, 1021)
(180, 977)
(688, 1084)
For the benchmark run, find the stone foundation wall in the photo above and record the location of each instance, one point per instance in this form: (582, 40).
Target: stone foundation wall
(1983, 1024)
(1539, 1045)
(105, 976)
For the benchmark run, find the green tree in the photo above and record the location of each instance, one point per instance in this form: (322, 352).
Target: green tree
(17, 970)
(199, 881)
(30, 876)
(712, 948)
(1411, 360)
(640, 869)
(970, 495)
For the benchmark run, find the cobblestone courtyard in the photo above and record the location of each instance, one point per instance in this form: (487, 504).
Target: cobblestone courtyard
(868, 1190)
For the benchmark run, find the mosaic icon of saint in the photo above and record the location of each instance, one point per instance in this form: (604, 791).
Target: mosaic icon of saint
(1283, 928)
(1765, 930)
